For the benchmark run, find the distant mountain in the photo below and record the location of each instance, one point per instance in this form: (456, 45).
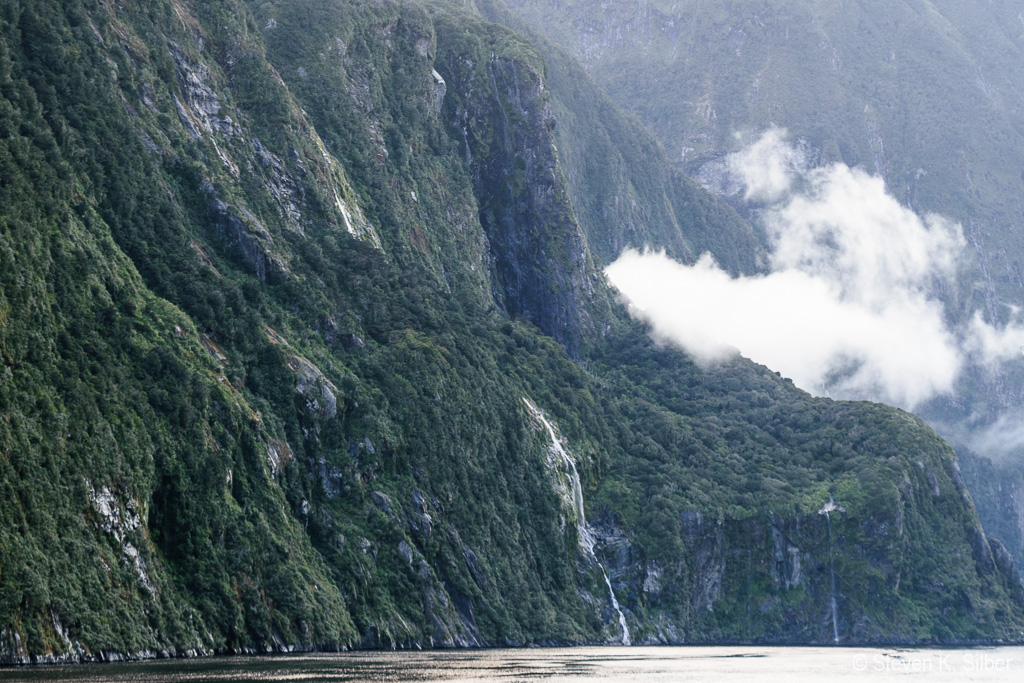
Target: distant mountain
(929, 95)
(305, 343)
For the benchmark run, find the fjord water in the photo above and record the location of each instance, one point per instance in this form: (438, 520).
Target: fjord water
(612, 664)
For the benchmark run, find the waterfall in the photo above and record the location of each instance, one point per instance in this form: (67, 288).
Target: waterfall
(831, 506)
(575, 488)
(615, 604)
(832, 574)
(586, 536)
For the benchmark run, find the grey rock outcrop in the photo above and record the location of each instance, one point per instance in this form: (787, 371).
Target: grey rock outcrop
(437, 92)
(539, 256)
(200, 111)
(321, 396)
(244, 234)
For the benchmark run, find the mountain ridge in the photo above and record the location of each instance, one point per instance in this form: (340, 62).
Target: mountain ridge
(271, 301)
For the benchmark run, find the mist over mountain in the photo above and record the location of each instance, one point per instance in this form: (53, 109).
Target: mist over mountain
(852, 306)
(306, 343)
(925, 96)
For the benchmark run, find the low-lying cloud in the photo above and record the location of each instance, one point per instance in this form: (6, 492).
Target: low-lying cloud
(766, 169)
(1002, 437)
(850, 307)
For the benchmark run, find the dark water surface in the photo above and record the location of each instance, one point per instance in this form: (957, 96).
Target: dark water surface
(610, 664)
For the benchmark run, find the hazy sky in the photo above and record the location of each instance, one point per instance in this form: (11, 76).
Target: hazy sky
(850, 306)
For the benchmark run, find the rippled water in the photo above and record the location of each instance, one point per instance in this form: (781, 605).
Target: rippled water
(612, 664)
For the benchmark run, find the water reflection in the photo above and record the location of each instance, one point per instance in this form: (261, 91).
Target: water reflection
(610, 664)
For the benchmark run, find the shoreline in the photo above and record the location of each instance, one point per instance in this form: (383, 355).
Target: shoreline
(51, 660)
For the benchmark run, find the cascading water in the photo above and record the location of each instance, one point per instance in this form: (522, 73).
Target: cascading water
(584, 532)
(615, 604)
(831, 506)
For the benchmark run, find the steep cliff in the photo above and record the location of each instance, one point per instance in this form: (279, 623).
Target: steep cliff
(624, 191)
(997, 488)
(304, 345)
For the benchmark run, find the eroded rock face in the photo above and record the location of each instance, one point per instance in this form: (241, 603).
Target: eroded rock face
(200, 112)
(279, 454)
(122, 521)
(791, 575)
(1004, 561)
(242, 232)
(286, 189)
(321, 396)
(997, 489)
(438, 89)
(538, 252)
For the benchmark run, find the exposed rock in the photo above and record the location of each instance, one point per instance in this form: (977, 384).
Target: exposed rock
(279, 454)
(212, 349)
(352, 342)
(469, 556)
(319, 392)
(242, 232)
(330, 478)
(285, 189)
(120, 522)
(420, 520)
(405, 550)
(150, 144)
(933, 482)
(981, 549)
(706, 537)
(327, 327)
(652, 580)
(958, 481)
(997, 488)
(538, 273)
(786, 569)
(12, 649)
(201, 110)
(437, 92)
(147, 96)
(383, 501)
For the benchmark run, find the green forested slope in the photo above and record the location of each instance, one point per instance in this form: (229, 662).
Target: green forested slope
(271, 300)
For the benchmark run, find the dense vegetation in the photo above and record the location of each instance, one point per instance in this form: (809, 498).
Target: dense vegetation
(271, 298)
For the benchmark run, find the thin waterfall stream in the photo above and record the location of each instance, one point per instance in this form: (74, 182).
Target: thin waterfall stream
(586, 535)
(831, 506)
(615, 604)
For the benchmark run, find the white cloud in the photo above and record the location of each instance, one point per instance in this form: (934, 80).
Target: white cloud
(768, 167)
(1002, 437)
(796, 323)
(989, 345)
(846, 229)
(850, 305)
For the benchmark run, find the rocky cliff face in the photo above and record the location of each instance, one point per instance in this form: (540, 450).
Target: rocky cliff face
(804, 577)
(997, 489)
(538, 252)
(623, 189)
(275, 280)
